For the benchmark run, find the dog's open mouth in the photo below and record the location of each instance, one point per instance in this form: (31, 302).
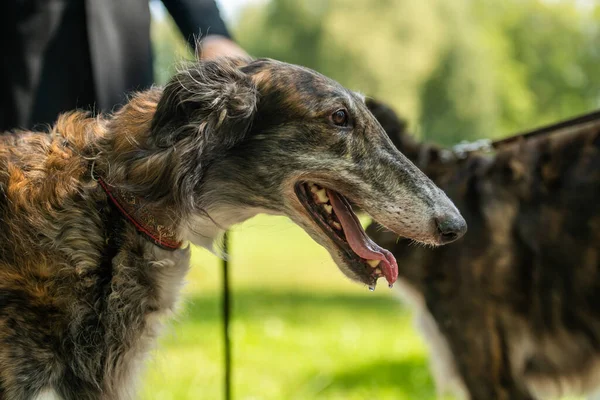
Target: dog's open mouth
(333, 214)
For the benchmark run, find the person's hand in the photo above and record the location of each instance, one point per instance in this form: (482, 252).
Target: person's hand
(214, 46)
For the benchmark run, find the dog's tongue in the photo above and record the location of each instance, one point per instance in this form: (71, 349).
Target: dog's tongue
(358, 240)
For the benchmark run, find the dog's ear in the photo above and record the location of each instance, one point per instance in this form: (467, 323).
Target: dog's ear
(392, 123)
(210, 101)
(397, 130)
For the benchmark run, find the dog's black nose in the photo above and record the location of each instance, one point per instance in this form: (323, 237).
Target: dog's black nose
(450, 227)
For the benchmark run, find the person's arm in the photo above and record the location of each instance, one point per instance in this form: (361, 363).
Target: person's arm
(213, 46)
(201, 19)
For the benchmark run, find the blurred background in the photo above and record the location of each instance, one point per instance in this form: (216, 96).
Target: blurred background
(456, 70)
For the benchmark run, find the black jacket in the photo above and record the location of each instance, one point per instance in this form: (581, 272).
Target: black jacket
(58, 55)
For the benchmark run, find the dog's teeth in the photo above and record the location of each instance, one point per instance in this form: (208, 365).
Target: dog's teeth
(328, 208)
(378, 272)
(337, 225)
(321, 196)
(373, 263)
(372, 288)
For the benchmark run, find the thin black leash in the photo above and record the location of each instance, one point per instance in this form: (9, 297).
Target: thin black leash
(226, 304)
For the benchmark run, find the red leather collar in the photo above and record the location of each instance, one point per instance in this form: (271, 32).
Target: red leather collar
(133, 208)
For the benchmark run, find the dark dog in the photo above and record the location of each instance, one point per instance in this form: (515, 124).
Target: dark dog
(512, 310)
(94, 216)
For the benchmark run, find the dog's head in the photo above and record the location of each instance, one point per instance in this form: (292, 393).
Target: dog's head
(267, 136)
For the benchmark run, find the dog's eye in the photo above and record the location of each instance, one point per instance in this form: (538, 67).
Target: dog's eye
(340, 117)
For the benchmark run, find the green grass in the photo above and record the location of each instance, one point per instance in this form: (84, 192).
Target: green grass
(301, 330)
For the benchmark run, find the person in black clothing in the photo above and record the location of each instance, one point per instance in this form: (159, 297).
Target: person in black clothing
(58, 55)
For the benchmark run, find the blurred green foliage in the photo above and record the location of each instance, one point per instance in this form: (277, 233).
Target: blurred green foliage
(456, 69)
(300, 329)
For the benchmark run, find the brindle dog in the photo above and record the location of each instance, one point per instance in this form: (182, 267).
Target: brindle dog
(96, 214)
(512, 310)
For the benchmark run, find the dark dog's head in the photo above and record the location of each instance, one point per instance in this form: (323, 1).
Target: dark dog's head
(266, 136)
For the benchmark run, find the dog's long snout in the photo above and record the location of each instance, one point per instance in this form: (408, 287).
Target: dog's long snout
(450, 227)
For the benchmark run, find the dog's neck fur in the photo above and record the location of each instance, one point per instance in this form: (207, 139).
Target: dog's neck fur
(129, 131)
(134, 210)
(207, 230)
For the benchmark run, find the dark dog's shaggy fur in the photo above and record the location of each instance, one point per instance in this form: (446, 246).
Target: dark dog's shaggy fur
(83, 290)
(512, 310)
